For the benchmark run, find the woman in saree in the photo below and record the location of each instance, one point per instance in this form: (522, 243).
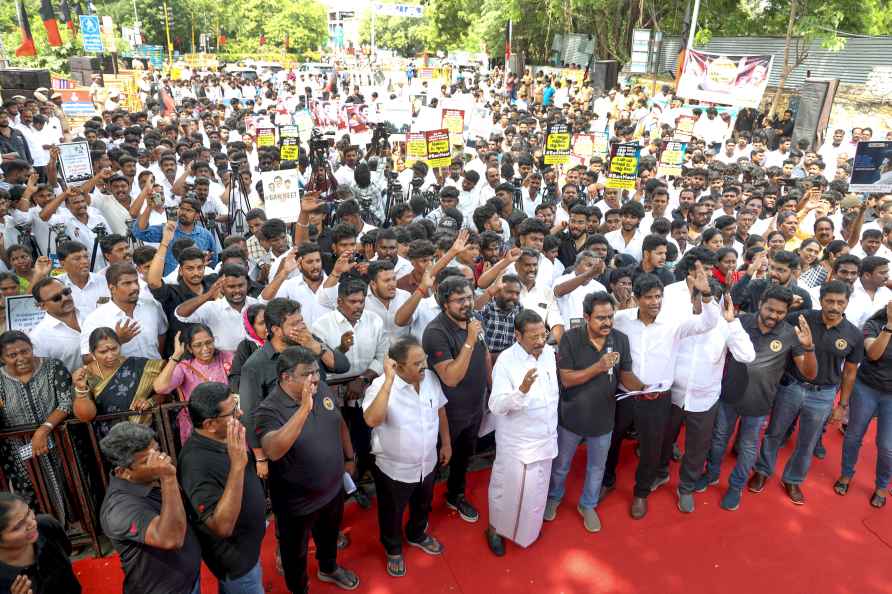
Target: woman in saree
(254, 319)
(113, 383)
(195, 360)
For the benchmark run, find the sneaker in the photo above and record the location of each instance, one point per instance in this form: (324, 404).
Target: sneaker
(551, 507)
(704, 482)
(731, 500)
(465, 510)
(676, 452)
(659, 482)
(685, 502)
(361, 499)
(590, 518)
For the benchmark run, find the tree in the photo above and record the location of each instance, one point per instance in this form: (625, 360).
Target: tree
(406, 36)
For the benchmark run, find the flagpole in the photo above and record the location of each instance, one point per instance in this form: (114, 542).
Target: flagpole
(167, 34)
(4, 61)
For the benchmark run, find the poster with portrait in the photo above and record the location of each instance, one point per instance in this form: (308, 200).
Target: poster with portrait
(672, 158)
(724, 78)
(872, 167)
(622, 173)
(454, 121)
(281, 194)
(76, 165)
(357, 118)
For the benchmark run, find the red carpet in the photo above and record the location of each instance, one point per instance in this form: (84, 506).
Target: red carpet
(831, 545)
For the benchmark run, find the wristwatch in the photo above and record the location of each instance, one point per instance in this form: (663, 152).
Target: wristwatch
(886, 329)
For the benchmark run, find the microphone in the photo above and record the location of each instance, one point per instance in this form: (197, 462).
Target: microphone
(610, 350)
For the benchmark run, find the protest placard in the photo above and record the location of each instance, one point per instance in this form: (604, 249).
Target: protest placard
(622, 172)
(454, 121)
(290, 143)
(684, 128)
(416, 147)
(22, 313)
(738, 80)
(266, 136)
(76, 165)
(439, 153)
(557, 144)
(281, 194)
(872, 167)
(672, 158)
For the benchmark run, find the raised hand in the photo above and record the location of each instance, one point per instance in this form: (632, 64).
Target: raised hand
(346, 341)
(389, 368)
(528, 381)
(236, 445)
(803, 333)
(167, 233)
(79, 379)
(127, 330)
(728, 310)
(306, 397)
(160, 465)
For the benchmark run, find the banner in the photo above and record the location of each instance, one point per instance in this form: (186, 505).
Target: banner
(357, 118)
(77, 103)
(872, 168)
(398, 10)
(439, 153)
(265, 137)
(586, 146)
(281, 194)
(416, 147)
(557, 144)
(728, 79)
(684, 128)
(74, 158)
(623, 170)
(290, 140)
(454, 121)
(672, 158)
(23, 313)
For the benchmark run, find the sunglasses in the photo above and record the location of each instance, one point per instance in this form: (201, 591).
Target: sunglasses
(60, 295)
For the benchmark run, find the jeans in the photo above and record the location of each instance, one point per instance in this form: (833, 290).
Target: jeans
(197, 588)
(747, 440)
(650, 418)
(596, 449)
(250, 583)
(813, 408)
(865, 403)
(697, 436)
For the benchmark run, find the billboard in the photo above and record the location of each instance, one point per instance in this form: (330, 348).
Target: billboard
(738, 80)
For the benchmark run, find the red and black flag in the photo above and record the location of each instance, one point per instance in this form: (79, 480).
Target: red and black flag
(27, 46)
(65, 11)
(49, 22)
(507, 44)
(262, 39)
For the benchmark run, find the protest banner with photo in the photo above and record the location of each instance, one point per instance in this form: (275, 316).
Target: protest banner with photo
(265, 137)
(76, 165)
(622, 172)
(684, 128)
(439, 153)
(303, 120)
(454, 121)
(357, 118)
(586, 146)
(728, 79)
(872, 167)
(23, 313)
(672, 158)
(416, 147)
(289, 137)
(281, 194)
(557, 144)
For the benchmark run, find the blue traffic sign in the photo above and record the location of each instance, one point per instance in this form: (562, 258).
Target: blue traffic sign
(90, 33)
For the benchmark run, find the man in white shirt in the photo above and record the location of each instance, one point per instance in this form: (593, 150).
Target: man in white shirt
(524, 402)
(570, 289)
(306, 287)
(88, 289)
(58, 335)
(344, 173)
(385, 299)
(405, 408)
(654, 342)
(140, 323)
(832, 148)
(629, 238)
(83, 224)
(869, 292)
(222, 316)
(695, 391)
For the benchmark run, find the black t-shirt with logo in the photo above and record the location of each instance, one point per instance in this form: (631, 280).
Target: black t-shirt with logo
(877, 374)
(843, 343)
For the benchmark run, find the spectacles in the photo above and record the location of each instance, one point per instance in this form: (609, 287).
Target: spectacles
(60, 295)
(460, 300)
(235, 410)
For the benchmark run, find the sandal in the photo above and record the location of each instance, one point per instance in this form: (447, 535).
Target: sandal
(429, 545)
(840, 487)
(343, 541)
(396, 566)
(340, 577)
(877, 500)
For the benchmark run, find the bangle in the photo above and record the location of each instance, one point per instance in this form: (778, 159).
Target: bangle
(302, 225)
(175, 360)
(262, 459)
(886, 329)
(79, 391)
(48, 425)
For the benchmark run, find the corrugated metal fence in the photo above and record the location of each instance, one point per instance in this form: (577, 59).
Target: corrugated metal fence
(851, 65)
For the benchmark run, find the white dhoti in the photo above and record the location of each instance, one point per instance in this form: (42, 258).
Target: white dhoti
(517, 496)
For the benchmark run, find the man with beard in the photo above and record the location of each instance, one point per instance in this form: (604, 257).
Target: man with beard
(571, 289)
(574, 238)
(304, 288)
(344, 173)
(748, 389)
(58, 335)
(385, 299)
(458, 355)
(839, 348)
(285, 327)
(588, 359)
(13, 144)
(186, 226)
(498, 314)
(82, 225)
(628, 238)
(654, 342)
(524, 402)
(222, 316)
(569, 196)
(653, 256)
(116, 207)
(782, 271)
(139, 323)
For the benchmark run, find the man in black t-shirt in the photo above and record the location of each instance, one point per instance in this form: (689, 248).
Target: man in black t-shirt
(839, 348)
(591, 359)
(144, 518)
(225, 501)
(748, 389)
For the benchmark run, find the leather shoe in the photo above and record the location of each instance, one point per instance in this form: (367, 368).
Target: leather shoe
(496, 543)
(757, 482)
(639, 507)
(794, 493)
(605, 491)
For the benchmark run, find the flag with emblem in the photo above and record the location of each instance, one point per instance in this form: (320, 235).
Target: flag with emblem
(26, 48)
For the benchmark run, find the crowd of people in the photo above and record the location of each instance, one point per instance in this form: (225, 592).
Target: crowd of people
(380, 338)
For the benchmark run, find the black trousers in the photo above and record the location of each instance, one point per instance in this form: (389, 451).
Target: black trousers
(393, 496)
(649, 418)
(464, 442)
(294, 532)
(361, 437)
(697, 441)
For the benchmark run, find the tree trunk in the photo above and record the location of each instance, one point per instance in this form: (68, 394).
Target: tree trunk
(788, 66)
